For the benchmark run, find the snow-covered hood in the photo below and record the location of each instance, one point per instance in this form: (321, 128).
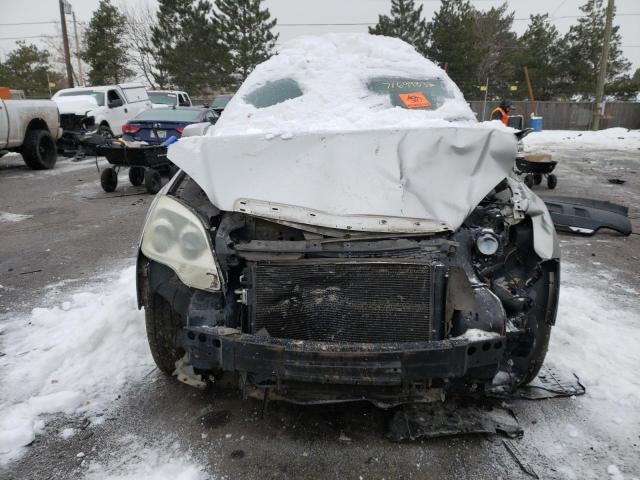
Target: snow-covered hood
(78, 104)
(402, 180)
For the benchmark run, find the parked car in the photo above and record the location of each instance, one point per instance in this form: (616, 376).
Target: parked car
(349, 231)
(105, 108)
(156, 125)
(30, 127)
(169, 98)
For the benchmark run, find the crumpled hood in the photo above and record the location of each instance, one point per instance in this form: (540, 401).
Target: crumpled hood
(79, 104)
(421, 180)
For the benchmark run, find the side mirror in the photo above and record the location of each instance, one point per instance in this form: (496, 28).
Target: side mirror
(115, 103)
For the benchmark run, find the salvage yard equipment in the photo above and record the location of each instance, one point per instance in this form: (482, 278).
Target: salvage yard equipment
(536, 166)
(146, 163)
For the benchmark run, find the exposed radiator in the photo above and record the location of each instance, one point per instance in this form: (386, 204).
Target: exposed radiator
(344, 301)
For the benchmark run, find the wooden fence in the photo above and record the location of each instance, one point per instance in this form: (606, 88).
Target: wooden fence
(571, 115)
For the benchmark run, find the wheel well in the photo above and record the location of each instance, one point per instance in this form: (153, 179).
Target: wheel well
(106, 124)
(37, 124)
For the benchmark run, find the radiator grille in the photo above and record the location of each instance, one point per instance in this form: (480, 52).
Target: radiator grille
(344, 301)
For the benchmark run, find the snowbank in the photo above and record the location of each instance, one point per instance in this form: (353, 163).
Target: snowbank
(8, 217)
(609, 139)
(73, 358)
(135, 460)
(332, 72)
(596, 336)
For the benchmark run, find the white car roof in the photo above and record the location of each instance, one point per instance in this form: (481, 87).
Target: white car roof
(102, 88)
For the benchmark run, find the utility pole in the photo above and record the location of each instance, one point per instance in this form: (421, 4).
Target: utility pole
(532, 100)
(602, 76)
(65, 42)
(75, 31)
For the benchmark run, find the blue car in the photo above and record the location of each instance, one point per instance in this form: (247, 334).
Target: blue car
(158, 124)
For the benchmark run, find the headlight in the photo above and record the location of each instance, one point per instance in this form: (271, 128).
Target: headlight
(487, 243)
(174, 236)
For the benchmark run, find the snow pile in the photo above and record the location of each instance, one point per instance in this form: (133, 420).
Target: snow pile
(74, 358)
(611, 138)
(333, 71)
(7, 217)
(596, 336)
(136, 461)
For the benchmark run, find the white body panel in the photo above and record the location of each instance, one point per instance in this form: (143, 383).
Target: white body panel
(15, 116)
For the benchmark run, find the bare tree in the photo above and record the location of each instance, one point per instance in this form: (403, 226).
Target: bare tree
(139, 19)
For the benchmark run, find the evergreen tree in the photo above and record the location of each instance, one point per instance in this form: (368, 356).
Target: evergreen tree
(245, 32)
(494, 48)
(27, 68)
(406, 23)
(453, 43)
(540, 50)
(105, 51)
(186, 48)
(584, 49)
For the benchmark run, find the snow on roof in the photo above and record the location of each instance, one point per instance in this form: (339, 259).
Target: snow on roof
(333, 72)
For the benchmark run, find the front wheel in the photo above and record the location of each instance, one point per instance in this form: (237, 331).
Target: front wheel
(105, 132)
(39, 150)
(163, 330)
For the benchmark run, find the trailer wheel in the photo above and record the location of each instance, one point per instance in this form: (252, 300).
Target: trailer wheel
(136, 176)
(39, 150)
(152, 180)
(537, 178)
(529, 181)
(163, 329)
(552, 181)
(109, 180)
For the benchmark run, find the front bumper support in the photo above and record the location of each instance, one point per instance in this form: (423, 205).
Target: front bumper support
(269, 361)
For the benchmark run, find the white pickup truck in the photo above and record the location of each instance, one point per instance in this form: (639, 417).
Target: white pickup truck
(30, 127)
(107, 108)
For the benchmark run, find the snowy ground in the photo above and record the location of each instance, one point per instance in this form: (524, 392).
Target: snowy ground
(618, 138)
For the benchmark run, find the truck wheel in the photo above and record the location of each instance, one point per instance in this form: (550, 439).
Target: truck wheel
(163, 328)
(152, 181)
(105, 132)
(39, 150)
(109, 180)
(136, 176)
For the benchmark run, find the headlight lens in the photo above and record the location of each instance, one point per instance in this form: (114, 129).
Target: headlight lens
(175, 237)
(487, 243)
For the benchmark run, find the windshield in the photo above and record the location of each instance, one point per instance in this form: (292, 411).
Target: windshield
(163, 98)
(98, 96)
(410, 93)
(170, 115)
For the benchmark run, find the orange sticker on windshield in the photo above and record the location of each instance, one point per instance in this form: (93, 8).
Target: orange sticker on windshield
(415, 100)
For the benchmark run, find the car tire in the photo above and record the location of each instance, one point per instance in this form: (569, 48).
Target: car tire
(163, 329)
(552, 181)
(152, 181)
(109, 180)
(136, 176)
(39, 150)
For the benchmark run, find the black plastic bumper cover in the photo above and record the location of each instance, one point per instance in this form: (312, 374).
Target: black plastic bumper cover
(270, 360)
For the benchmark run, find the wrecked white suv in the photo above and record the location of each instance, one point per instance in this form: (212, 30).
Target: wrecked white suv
(347, 230)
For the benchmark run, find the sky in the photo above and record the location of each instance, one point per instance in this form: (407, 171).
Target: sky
(354, 15)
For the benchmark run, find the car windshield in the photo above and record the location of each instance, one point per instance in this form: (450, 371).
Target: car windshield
(410, 93)
(170, 115)
(273, 93)
(221, 101)
(163, 98)
(98, 96)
